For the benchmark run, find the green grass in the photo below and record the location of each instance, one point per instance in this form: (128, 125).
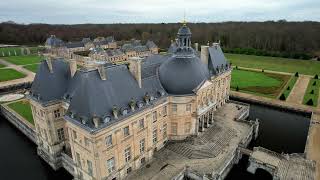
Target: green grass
(291, 84)
(10, 74)
(258, 83)
(1, 66)
(313, 96)
(23, 60)
(5, 51)
(23, 109)
(32, 67)
(309, 67)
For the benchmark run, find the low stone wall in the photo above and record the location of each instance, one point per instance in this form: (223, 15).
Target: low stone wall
(18, 123)
(15, 88)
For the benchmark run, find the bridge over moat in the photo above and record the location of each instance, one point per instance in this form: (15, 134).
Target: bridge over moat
(280, 166)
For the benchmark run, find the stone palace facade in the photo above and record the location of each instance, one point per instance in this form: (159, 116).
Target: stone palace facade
(112, 120)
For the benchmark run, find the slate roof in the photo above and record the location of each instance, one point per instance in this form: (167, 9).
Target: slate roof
(217, 61)
(47, 86)
(173, 48)
(86, 40)
(53, 41)
(74, 44)
(89, 96)
(151, 44)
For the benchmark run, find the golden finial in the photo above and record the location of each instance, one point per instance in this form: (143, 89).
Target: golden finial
(184, 22)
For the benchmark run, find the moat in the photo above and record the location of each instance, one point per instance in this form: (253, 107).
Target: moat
(280, 131)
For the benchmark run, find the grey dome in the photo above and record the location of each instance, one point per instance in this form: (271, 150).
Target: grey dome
(184, 30)
(181, 75)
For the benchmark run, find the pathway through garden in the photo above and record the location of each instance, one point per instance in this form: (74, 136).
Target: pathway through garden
(28, 78)
(299, 89)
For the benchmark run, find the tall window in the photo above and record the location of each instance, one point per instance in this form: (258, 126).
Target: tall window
(109, 140)
(174, 108)
(142, 145)
(86, 141)
(126, 131)
(74, 134)
(188, 107)
(111, 165)
(89, 167)
(78, 159)
(56, 113)
(187, 127)
(127, 154)
(164, 111)
(141, 123)
(174, 128)
(164, 131)
(60, 133)
(154, 116)
(154, 136)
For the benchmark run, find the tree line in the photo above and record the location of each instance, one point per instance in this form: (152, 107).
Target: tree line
(264, 37)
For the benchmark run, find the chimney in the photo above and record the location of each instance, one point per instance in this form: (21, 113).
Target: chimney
(205, 54)
(49, 63)
(215, 45)
(96, 121)
(196, 46)
(102, 72)
(73, 67)
(135, 68)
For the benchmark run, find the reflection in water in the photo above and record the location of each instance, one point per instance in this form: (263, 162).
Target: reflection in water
(279, 131)
(19, 159)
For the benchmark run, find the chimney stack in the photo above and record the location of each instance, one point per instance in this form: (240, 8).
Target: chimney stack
(196, 46)
(102, 72)
(135, 68)
(73, 67)
(205, 54)
(49, 63)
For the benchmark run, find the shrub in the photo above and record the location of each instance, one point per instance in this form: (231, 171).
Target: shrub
(262, 70)
(282, 97)
(237, 89)
(316, 76)
(310, 102)
(288, 88)
(314, 83)
(312, 91)
(236, 67)
(296, 74)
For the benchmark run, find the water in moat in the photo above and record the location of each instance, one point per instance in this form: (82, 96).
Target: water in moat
(280, 131)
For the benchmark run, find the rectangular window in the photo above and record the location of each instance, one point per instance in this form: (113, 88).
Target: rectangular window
(164, 131)
(188, 107)
(154, 116)
(126, 131)
(78, 159)
(86, 141)
(129, 170)
(187, 127)
(111, 165)
(56, 113)
(174, 108)
(142, 145)
(141, 123)
(89, 167)
(174, 127)
(75, 134)
(60, 133)
(127, 154)
(109, 140)
(154, 136)
(164, 111)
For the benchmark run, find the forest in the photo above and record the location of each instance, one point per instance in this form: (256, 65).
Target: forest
(267, 38)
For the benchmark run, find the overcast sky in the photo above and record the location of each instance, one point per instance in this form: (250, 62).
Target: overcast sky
(156, 11)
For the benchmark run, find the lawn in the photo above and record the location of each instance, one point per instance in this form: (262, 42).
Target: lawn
(5, 51)
(259, 83)
(289, 86)
(10, 74)
(32, 67)
(312, 95)
(23, 109)
(23, 60)
(309, 67)
(1, 66)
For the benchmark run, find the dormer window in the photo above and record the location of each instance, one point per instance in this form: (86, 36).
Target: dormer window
(107, 119)
(124, 111)
(140, 104)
